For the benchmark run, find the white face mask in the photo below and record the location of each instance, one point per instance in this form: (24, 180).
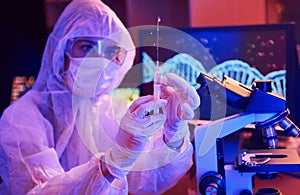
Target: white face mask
(91, 76)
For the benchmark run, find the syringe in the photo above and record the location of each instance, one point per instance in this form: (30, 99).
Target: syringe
(156, 87)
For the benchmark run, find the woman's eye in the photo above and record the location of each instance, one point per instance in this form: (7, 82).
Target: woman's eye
(112, 52)
(87, 47)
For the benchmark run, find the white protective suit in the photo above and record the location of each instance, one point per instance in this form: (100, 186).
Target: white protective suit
(42, 150)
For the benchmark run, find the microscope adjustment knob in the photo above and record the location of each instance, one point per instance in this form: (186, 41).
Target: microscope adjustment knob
(245, 192)
(211, 183)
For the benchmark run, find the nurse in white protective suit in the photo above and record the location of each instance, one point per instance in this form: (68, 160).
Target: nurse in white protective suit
(63, 137)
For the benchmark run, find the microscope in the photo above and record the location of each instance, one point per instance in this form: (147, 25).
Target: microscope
(258, 106)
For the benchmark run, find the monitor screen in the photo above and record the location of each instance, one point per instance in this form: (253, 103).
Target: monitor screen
(244, 53)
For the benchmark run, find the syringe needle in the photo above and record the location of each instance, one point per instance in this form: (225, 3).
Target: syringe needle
(156, 87)
(157, 41)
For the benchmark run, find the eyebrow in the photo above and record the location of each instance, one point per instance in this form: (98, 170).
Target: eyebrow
(87, 41)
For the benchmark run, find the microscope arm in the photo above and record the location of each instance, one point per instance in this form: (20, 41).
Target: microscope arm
(259, 106)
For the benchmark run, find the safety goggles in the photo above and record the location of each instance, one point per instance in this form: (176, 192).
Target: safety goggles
(82, 47)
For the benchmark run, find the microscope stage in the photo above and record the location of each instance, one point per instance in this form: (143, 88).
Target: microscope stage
(268, 160)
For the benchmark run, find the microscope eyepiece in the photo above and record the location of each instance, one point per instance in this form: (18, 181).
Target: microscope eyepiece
(263, 85)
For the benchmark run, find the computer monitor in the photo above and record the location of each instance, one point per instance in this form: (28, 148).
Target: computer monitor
(245, 53)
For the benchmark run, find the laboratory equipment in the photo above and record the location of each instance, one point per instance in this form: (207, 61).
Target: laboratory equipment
(259, 107)
(157, 76)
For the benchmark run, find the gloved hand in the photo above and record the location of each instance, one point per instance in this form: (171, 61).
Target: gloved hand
(182, 101)
(135, 129)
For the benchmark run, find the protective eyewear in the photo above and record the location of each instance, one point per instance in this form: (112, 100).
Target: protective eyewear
(82, 47)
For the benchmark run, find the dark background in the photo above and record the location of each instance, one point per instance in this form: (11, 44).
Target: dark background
(23, 35)
(24, 31)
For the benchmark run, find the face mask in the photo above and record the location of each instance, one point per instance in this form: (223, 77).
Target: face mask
(91, 76)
